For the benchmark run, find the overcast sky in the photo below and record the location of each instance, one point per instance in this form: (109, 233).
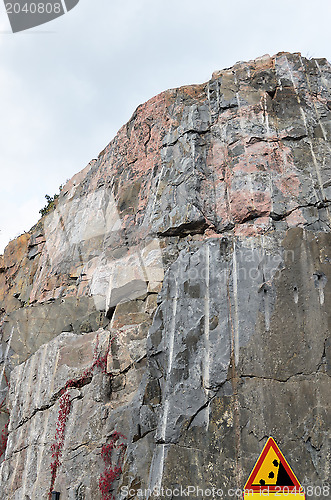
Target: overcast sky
(69, 85)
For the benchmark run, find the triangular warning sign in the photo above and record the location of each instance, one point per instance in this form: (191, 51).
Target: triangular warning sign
(272, 471)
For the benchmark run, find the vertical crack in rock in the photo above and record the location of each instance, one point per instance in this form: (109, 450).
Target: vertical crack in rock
(168, 372)
(206, 371)
(234, 358)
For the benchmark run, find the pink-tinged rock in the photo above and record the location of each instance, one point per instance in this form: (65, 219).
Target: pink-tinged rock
(296, 219)
(196, 248)
(16, 250)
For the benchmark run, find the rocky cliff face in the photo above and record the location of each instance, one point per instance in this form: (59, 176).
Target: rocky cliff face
(173, 311)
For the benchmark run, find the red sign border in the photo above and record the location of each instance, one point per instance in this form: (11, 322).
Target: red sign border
(272, 488)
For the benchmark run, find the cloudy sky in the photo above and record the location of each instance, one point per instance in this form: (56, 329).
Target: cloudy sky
(69, 85)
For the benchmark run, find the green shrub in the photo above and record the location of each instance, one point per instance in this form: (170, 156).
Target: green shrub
(50, 205)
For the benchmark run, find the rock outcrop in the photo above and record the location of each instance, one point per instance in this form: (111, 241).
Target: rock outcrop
(173, 310)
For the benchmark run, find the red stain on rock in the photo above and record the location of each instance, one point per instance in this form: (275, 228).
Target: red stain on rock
(247, 204)
(289, 185)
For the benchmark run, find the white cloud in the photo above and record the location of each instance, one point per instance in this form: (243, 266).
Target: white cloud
(18, 217)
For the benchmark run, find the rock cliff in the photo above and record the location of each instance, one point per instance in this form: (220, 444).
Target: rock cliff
(172, 311)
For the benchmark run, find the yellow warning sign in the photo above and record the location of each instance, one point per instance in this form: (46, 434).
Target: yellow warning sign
(272, 477)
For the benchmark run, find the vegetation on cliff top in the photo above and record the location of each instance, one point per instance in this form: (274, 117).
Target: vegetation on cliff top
(51, 202)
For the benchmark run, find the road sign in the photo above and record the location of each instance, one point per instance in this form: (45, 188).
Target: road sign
(272, 477)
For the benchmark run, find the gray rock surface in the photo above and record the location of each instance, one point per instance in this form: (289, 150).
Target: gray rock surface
(178, 294)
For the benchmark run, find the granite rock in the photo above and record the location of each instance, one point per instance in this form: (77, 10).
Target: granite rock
(178, 295)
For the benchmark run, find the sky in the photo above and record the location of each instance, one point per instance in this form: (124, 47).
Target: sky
(67, 86)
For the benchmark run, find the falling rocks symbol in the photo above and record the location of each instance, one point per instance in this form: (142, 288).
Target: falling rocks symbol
(272, 473)
(26, 14)
(283, 479)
